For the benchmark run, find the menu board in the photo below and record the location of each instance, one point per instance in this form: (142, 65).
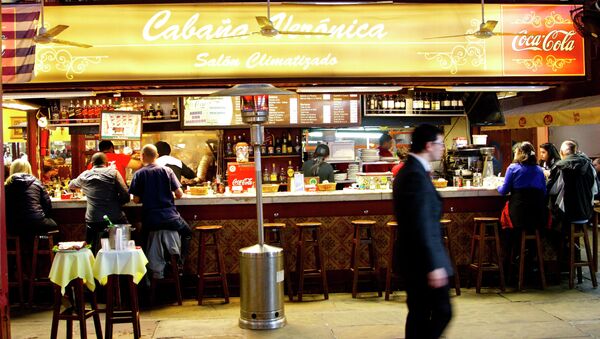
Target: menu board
(285, 110)
(121, 125)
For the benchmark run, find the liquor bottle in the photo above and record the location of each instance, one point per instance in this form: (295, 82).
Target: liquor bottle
(54, 112)
(290, 170)
(453, 104)
(446, 106)
(460, 106)
(390, 103)
(64, 114)
(273, 174)
(174, 112)
(282, 176)
(104, 107)
(297, 146)
(97, 109)
(402, 105)
(251, 150)
(110, 106)
(372, 102)
(263, 149)
(266, 176)
(244, 137)
(380, 102)
(159, 114)
(228, 147)
(136, 104)
(277, 146)
(117, 105)
(150, 112)
(142, 106)
(436, 104)
(284, 145)
(384, 104)
(418, 103)
(270, 147)
(86, 114)
(290, 148)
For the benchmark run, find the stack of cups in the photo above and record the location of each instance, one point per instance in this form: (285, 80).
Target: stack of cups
(119, 239)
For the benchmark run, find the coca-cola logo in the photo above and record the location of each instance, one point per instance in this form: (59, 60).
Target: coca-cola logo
(557, 40)
(242, 182)
(548, 119)
(522, 121)
(232, 168)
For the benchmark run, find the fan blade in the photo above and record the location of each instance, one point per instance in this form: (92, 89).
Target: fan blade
(489, 25)
(264, 22)
(54, 31)
(235, 36)
(70, 43)
(303, 33)
(449, 36)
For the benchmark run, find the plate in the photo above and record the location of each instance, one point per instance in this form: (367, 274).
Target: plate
(68, 251)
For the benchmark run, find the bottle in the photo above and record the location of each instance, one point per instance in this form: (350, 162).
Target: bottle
(150, 112)
(418, 103)
(55, 111)
(77, 110)
(453, 104)
(85, 112)
(104, 108)
(110, 106)
(297, 146)
(384, 104)
(403, 105)
(142, 106)
(174, 113)
(290, 148)
(228, 147)
(446, 103)
(390, 103)
(270, 147)
(110, 224)
(135, 104)
(263, 149)
(273, 174)
(460, 106)
(64, 114)
(117, 104)
(284, 146)
(290, 170)
(426, 103)
(436, 105)
(372, 102)
(277, 146)
(159, 114)
(282, 176)
(266, 176)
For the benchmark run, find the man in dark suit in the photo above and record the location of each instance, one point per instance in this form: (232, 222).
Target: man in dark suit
(420, 254)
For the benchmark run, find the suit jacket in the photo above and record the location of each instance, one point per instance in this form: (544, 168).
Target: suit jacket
(418, 210)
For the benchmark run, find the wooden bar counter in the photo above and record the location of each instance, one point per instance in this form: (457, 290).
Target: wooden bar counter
(336, 209)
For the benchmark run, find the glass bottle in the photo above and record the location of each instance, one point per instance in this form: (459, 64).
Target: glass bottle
(159, 114)
(290, 147)
(266, 176)
(390, 103)
(290, 170)
(273, 174)
(284, 145)
(150, 112)
(174, 113)
(297, 145)
(446, 103)
(85, 114)
(228, 147)
(282, 176)
(426, 103)
(453, 103)
(77, 110)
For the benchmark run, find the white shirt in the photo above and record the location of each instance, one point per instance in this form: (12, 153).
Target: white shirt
(425, 163)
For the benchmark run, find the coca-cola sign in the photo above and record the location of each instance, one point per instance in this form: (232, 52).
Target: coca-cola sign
(545, 41)
(240, 176)
(242, 182)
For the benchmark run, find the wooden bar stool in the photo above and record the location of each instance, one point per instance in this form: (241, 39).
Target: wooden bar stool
(15, 252)
(114, 316)
(480, 234)
(311, 229)
(173, 279)
(577, 231)
(274, 236)
(366, 227)
(448, 243)
(205, 233)
(389, 272)
(535, 237)
(77, 312)
(41, 279)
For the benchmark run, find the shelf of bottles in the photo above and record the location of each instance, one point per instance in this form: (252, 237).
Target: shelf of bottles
(281, 153)
(421, 104)
(86, 111)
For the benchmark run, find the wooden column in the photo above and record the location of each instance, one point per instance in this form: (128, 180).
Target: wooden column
(33, 153)
(78, 154)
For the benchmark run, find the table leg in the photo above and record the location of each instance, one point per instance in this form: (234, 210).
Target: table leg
(135, 309)
(109, 306)
(595, 242)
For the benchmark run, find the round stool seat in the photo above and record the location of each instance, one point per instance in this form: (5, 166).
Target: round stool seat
(392, 224)
(363, 222)
(486, 219)
(274, 225)
(309, 224)
(445, 222)
(208, 228)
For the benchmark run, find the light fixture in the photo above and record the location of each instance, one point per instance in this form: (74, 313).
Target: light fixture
(179, 91)
(348, 89)
(497, 88)
(48, 95)
(19, 105)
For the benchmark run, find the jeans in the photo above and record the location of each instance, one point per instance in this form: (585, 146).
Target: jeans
(179, 225)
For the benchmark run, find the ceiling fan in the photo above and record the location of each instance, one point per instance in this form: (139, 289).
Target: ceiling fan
(486, 29)
(47, 36)
(268, 29)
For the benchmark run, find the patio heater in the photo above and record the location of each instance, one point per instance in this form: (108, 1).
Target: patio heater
(261, 266)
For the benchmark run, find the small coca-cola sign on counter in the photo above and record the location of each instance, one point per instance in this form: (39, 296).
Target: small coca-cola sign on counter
(240, 176)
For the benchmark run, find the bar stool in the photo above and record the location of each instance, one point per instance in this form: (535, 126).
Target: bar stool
(274, 236)
(577, 231)
(358, 240)
(311, 229)
(78, 312)
(480, 234)
(173, 279)
(114, 316)
(16, 253)
(445, 224)
(39, 251)
(525, 236)
(389, 272)
(205, 233)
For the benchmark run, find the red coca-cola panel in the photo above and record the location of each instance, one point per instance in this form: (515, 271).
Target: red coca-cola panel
(546, 42)
(240, 176)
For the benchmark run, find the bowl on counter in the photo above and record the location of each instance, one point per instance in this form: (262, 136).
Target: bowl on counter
(198, 190)
(270, 188)
(440, 183)
(340, 176)
(326, 186)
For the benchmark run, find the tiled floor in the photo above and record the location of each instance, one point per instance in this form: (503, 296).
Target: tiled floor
(553, 313)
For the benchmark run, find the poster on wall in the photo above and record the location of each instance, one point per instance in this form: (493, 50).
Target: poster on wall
(121, 125)
(208, 111)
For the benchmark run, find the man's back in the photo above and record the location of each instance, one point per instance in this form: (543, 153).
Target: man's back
(578, 176)
(155, 185)
(105, 194)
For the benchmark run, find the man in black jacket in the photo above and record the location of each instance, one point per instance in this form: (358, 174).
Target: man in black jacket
(420, 256)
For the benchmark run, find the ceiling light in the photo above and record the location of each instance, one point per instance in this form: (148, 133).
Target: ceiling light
(48, 95)
(19, 105)
(179, 91)
(348, 89)
(497, 88)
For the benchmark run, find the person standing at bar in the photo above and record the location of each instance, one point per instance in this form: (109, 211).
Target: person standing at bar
(156, 188)
(596, 164)
(118, 161)
(317, 167)
(105, 192)
(420, 256)
(385, 145)
(165, 159)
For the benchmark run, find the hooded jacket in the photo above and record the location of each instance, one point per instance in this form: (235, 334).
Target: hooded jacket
(26, 200)
(577, 173)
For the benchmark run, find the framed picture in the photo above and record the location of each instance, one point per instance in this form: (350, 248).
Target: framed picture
(17, 133)
(121, 125)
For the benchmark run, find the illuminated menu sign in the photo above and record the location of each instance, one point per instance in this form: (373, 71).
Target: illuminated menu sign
(285, 111)
(121, 125)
